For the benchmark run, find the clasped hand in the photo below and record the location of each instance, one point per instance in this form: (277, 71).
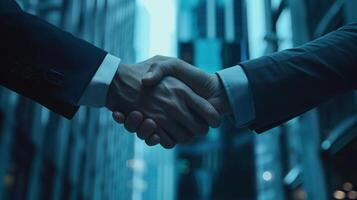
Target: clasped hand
(166, 100)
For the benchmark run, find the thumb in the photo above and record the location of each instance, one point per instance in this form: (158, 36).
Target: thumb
(154, 74)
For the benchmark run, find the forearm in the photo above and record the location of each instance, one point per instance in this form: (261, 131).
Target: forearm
(288, 83)
(45, 63)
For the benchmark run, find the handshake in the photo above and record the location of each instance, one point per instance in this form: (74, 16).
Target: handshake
(166, 100)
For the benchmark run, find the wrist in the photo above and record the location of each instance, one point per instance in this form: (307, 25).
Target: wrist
(115, 87)
(225, 107)
(112, 90)
(124, 89)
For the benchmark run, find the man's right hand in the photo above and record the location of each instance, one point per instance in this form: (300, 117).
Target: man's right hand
(178, 112)
(206, 85)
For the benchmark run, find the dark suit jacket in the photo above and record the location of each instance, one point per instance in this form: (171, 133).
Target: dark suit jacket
(43, 62)
(291, 82)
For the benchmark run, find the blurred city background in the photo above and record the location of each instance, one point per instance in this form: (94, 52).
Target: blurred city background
(44, 156)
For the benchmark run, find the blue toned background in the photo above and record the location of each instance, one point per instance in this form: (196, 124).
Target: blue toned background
(44, 156)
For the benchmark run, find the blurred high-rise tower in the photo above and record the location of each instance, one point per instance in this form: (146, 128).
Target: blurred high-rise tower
(44, 156)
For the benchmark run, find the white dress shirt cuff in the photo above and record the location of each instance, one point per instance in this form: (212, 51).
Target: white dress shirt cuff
(95, 94)
(239, 95)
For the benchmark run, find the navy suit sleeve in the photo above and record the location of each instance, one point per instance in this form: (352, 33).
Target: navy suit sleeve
(291, 82)
(42, 62)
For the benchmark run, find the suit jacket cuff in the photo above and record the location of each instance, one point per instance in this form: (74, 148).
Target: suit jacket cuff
(239, 95)
(96, 92)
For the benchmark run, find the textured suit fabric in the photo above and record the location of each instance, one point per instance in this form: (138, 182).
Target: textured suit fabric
(290, 82)
(42, 62)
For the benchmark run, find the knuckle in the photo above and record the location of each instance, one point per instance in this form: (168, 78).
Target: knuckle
(142, 135)
(162, 57)
(129, 128)
(149, 142)
(165, 66)
(152, 140)
(134, 119)
(155, 65)
(158, 56)
(171, 67)
(150, 124)
(136, 114)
